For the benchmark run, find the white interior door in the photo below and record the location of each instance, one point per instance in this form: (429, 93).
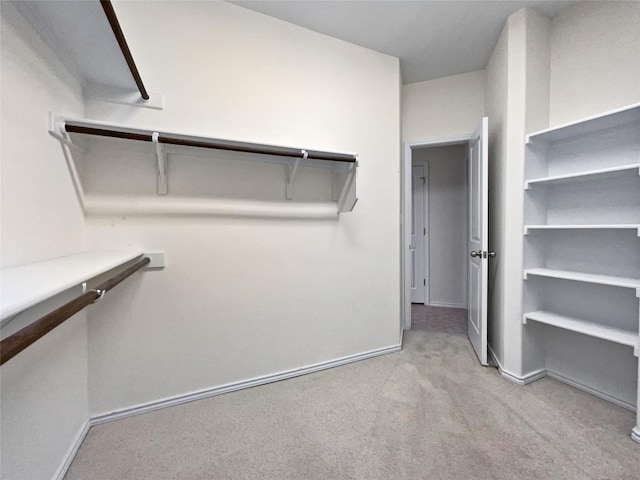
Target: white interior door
(418, 234)
(478, 240)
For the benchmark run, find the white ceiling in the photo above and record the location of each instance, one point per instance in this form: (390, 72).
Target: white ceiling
(433, 39)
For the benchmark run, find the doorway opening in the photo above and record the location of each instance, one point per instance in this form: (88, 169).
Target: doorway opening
(445, 231)
(439, 247)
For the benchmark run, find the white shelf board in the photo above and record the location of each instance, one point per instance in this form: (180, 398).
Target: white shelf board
(617, 335)
(343, 166)
(596, 123)
(81, 33)
(27, 285)
(586, 175)
(610, 280)
(583, 227)
(59, 123)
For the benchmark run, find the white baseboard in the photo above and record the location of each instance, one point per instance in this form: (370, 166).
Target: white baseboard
(524, 379)
(73, 450)
(635, 434)
(232, 387)
(543, 372)
(447, 305)
(591, 390)
(512, 377)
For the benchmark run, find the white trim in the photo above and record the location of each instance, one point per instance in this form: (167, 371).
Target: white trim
(591, 390)
(232, 387)
(520, 380)
(439, 143)
(405, 220)
(526, 379)
(405, 235)
(448, 305)
(73, 450)
(543, 372)
(635, 434)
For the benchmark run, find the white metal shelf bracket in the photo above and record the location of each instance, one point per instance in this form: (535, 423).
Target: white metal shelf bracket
(163, 187)
(57, 131)
(347, 199)
(292, 170)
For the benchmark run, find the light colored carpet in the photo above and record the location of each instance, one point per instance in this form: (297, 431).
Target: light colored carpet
(428, 412)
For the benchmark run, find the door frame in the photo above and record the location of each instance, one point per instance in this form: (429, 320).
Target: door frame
(405, 215)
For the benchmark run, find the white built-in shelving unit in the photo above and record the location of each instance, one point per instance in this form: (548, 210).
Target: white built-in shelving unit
(581, 243)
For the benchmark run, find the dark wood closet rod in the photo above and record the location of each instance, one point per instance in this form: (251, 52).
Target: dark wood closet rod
(210, 143)
(124, 47)
(14, 344)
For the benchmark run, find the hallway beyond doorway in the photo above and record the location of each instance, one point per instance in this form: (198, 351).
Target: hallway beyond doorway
(438, 319)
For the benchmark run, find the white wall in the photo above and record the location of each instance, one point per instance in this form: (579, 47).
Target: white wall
(517, 102)
(241, 298)
(536, 99)
(444, 108)
(496, 111)
(44, 401)
(448, 220)
(595, 59)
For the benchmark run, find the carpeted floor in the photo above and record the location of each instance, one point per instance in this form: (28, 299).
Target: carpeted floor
(428, 412)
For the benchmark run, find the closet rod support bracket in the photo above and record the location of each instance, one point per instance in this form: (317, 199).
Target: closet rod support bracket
(348, 198)
(57, 131)
(292, 170)
(101, 294)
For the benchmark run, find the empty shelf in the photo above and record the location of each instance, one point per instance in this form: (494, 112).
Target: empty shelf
(598, 174)
(625, 282)
(27, 285)
(583, 227)
(595, 124)
(617, 335)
